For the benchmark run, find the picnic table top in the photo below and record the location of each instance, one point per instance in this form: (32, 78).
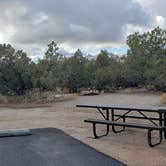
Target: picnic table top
(126, 107)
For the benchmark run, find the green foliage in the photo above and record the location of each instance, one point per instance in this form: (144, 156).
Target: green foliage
(109, 76)
(75, 70)
(102, 59)
(144, 66)
(47, 68)
(146, 60)
(15, 76)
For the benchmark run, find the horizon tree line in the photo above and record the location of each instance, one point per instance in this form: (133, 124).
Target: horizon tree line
(143, 66)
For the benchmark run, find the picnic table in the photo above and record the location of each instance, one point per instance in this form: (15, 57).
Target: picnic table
(117, 115)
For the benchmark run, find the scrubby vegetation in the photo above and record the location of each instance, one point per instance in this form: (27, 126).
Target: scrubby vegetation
(143, 66)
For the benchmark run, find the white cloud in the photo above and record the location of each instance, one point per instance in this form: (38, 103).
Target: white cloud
(40, 18)
(90, 25)
(129, 29)
(78, 28)
(160, 21)
(157, 7)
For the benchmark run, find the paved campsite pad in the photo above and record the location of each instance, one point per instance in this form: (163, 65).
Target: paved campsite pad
(50, 147)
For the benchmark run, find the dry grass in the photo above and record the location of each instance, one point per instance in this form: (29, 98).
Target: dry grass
(35, 97)
(163, 98)
(133, 90)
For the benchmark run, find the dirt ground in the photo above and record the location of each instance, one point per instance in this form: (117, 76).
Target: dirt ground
(129, 147)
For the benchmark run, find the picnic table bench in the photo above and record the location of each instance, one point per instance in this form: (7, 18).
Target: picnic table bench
(156, 123)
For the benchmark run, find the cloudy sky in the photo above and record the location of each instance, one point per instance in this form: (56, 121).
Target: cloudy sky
(90, 25)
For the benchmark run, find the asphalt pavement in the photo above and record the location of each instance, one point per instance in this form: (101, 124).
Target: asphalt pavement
(50, 147)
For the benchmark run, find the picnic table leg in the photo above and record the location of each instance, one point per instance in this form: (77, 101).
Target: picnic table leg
(95, 132)
(150, 138)
(161, 123)
(164, 125)
(113, 127)
(107, 117)
(160, 133)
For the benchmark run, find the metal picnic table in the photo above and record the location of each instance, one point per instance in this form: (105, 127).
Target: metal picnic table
(111, 114)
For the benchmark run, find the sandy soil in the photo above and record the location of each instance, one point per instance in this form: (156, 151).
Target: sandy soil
(130, 146)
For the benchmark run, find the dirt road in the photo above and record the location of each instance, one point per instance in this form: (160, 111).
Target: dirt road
(130, 146)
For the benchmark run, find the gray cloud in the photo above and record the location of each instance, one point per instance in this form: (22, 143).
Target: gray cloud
(160, 7)
(34, 23)
(77, 20)
(155, 6)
